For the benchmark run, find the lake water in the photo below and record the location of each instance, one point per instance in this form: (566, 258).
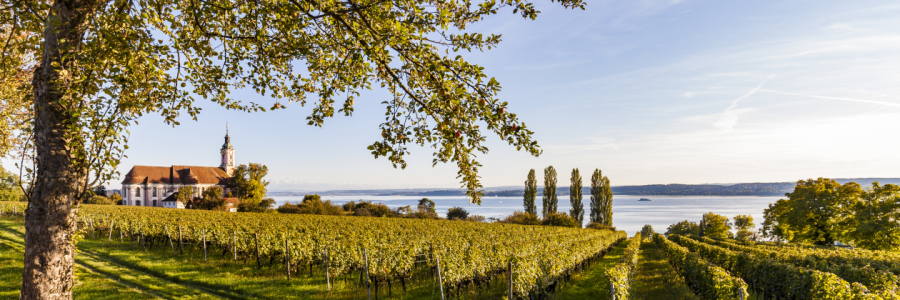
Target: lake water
(629, 214)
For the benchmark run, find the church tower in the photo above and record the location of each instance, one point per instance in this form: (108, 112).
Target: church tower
(227, 154)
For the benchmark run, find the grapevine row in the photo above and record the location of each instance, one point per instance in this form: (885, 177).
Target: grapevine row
(620, 275)
(776, 279)
(879, 259)
(467, 252)
(706, 279)
(876, 279)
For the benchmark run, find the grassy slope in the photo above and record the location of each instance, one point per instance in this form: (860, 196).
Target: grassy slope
(125, 271)
(592, 283)
(654, 278)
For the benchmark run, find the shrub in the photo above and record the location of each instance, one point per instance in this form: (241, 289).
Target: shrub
(362, 212)
(600, 226)
(647, 231)
(368, 209)
(476, 218)
(522, 218)
(313, 205)
(100, 200)
(288, 208)
(350, 206)
(117, 199)
(457, 213)
(256, 205)
(684, 228)
(559, 219)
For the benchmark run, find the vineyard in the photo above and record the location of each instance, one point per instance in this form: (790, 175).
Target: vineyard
(790, 272)
(383, 250)
(530, 262)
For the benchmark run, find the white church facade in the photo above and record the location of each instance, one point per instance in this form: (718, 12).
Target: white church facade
(156, 186)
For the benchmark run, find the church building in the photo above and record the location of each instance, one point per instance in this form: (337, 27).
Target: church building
(157, 185)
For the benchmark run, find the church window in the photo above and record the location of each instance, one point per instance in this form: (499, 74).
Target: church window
(154, 193)
(137, 192)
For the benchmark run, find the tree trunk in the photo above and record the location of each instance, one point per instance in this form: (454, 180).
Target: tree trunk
(49, 222)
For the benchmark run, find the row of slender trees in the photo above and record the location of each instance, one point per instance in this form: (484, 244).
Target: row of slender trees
(601, 196)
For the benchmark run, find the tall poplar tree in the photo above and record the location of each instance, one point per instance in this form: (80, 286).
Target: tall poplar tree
(550, 201)
(95, 66)
(530, 193)
(606, 203)
(596, 196)
(577, 211)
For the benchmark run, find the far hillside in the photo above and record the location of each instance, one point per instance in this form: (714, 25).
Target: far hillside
(724, 189)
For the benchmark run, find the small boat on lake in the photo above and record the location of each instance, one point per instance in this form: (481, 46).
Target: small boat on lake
(645, 199)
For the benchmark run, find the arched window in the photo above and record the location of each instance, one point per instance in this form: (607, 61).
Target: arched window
(137, 203)
(137, 192)
(154, 193)
(154, 203)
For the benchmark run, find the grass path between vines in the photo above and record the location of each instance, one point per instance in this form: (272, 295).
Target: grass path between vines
(592, 282)
(655, 279)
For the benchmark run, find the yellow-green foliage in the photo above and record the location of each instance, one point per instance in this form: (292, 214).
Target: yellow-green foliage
(781, 280)
(852, 266)
(620, 274)
(707, 280)
(541, 255)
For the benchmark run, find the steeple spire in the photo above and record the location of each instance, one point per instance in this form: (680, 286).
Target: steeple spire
(227, 153)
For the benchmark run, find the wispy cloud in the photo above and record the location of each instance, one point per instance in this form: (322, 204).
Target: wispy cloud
(891, 104)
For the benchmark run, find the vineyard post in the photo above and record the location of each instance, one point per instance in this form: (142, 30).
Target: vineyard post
(287, 258)
(112, 225)
(142, 240)
(440, 280)
(368, 290)
(204, 244)
(510, 274)
(92, 228)
(169, 236)
(180, 241)
(327, 271)
(612, 289)
(741, 293)
(234, 244)
(256, 241)
(121, 234)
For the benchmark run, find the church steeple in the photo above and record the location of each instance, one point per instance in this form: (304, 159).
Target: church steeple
(227, 153)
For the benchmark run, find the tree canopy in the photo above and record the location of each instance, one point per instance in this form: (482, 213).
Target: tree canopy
(530, 193)
(550, 200)
(75, 74)
(812, 212)
(247, 182)
(686, 228)
(715, 226)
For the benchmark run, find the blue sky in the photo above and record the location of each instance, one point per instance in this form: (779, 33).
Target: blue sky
(647, 91)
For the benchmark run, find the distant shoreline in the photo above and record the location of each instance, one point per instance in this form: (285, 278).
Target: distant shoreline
(766, 189)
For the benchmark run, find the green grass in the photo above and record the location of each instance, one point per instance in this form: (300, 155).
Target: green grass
(654, 278)
(592, 283)
(88, 284)
(114, 270)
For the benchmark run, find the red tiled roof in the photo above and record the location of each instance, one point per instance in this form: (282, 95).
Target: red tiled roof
(176, 175)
